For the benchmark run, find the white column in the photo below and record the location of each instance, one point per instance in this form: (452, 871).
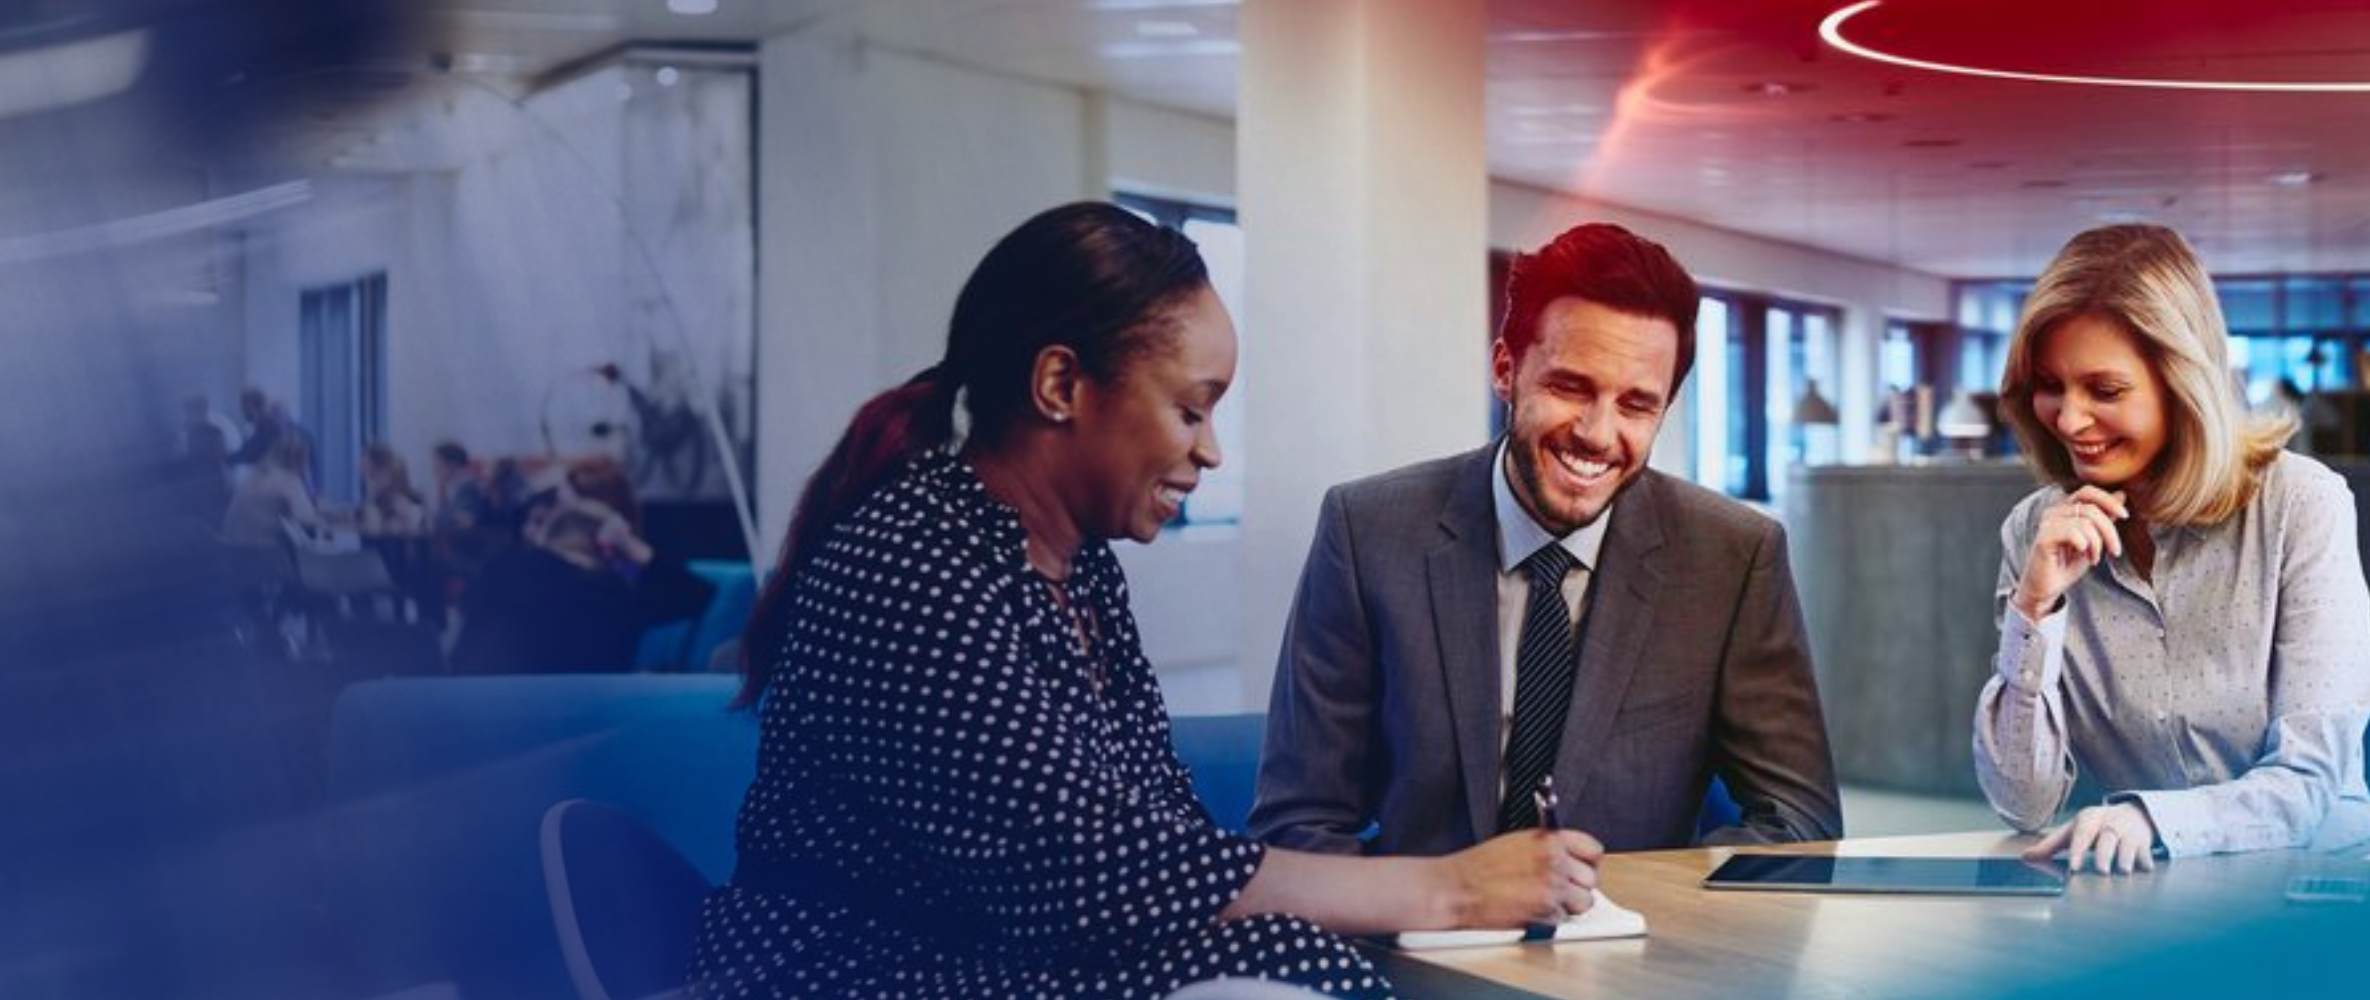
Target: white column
(883, 179)
(1855, 400)
(818, 352)
(1364, 204)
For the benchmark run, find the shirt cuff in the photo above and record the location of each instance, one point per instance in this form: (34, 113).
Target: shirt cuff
(2183, 821)
(2032, 654)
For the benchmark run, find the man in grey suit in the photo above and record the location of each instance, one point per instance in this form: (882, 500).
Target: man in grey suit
(1549, 606)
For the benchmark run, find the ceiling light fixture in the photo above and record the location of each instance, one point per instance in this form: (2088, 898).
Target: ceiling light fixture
(1168, 48)
(1166, 29)
(2295, 178)
(692, 8)
(1831, 31)
(1158, 4)
(1551, 110)
(70, 73)
(1775, 88)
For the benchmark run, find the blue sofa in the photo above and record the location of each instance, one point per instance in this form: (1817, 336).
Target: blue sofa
(688, 646)
(439, 785)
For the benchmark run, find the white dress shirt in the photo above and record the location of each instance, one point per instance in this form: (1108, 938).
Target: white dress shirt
(1519, 535)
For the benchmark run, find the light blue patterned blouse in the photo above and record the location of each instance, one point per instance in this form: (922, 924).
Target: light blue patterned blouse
(2227, 695)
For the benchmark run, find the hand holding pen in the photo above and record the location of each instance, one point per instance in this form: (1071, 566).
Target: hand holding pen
(1544, 801)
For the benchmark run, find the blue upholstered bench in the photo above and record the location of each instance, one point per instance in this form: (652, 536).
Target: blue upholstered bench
(688, 646)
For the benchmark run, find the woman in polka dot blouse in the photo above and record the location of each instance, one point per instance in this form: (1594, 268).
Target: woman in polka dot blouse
(965, 785)
(2183, 620)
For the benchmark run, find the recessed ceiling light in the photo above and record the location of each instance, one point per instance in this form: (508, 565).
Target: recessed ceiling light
(1533, 37)
(1158, 4)
(68, 73)
(667, 75)
(1172, 48)
(692, 8)
(2295, 178)
(1551, 110)
(1831, 31)
(483, 62)
(1166, 29)
(1775, 88)
(1930, 143)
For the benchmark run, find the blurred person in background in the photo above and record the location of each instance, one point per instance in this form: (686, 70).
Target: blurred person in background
(267, 424)
(2180, 608)
(574, 596)
(273, 498)
(461, 500)
(603, 478)
(207, 430)
(390, 505)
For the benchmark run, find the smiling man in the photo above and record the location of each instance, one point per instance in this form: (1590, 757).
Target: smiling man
(1549, 606)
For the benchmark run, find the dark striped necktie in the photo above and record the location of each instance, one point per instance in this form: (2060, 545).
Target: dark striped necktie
(1544, 661)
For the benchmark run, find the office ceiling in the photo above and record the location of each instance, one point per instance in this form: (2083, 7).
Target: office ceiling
(1737, 114)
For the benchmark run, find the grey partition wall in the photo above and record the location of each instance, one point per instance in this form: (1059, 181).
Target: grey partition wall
(1895, 566)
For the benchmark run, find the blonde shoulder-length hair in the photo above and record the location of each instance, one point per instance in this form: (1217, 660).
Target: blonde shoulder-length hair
(2147, 280)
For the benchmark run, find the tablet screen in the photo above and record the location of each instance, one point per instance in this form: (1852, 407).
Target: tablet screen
(1956, 876)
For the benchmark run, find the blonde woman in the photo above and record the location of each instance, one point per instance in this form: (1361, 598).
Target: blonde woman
(2183, 619)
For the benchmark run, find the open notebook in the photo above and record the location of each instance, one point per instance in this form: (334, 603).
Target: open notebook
(1605, 919)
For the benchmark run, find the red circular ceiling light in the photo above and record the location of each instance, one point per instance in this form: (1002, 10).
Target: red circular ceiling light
(2090, 34)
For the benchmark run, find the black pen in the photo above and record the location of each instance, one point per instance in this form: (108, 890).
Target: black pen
(1543, 799)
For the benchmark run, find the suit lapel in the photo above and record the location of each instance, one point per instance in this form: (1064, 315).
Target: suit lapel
(1463, 574)
(1621, 595)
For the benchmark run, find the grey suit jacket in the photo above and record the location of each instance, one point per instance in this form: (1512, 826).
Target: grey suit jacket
(1693, 663)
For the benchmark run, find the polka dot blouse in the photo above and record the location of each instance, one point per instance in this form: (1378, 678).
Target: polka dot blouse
(957, 797)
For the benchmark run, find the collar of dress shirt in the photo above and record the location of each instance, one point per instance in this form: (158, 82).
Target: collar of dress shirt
(1519, 534)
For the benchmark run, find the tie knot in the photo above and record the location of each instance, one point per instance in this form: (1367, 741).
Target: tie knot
(1549, 565)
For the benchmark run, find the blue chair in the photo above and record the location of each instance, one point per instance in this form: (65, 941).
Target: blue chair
(439, 787)
(624, 904)
(1719, 809)
(1222, 753)
(689, 645)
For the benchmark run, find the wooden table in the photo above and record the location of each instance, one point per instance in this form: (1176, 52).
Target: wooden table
(1708, 943)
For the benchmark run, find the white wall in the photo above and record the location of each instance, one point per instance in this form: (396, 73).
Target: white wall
(884, 178)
